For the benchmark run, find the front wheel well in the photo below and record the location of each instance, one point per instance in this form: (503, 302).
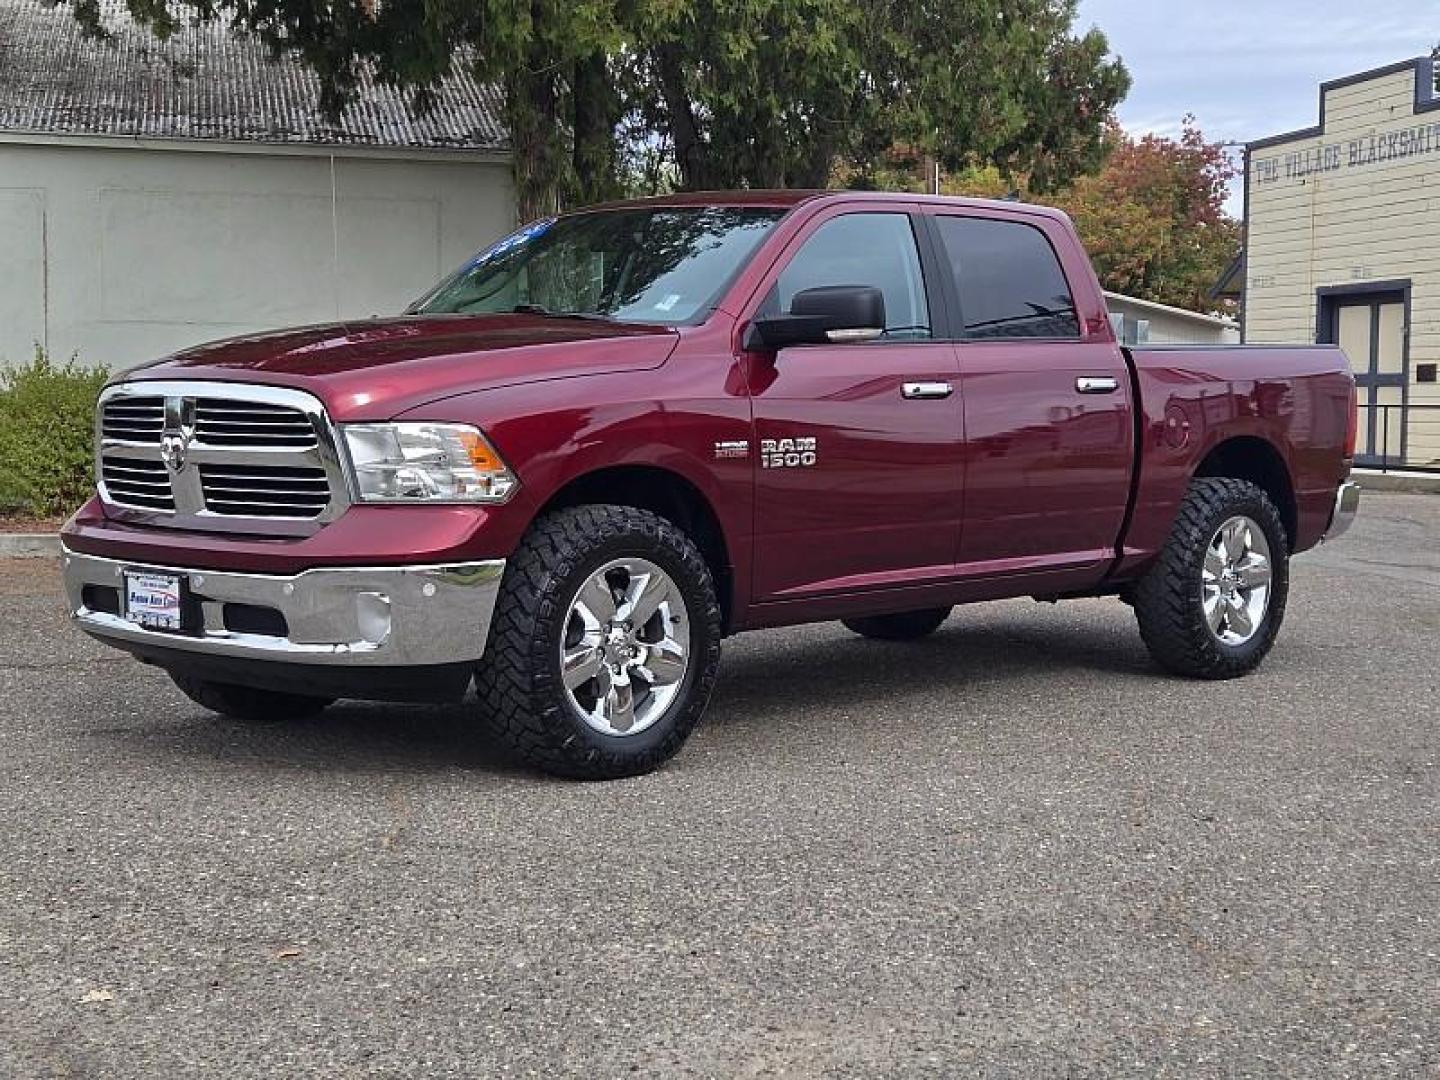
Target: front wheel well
(1254, 459)
(665, 493)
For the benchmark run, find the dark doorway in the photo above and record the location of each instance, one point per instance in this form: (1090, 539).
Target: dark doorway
(1371, 323)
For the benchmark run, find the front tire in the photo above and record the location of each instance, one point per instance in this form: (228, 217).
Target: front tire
(604, 646)
(1213, 602)
(906, 626)
(247, 703)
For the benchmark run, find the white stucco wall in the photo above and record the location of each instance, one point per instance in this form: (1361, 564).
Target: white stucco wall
(123, 254)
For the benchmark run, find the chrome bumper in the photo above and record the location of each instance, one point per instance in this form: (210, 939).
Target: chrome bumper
(400, 616)
(1347, 505)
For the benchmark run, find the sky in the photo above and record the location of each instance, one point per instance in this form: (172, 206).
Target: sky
(1248, 70)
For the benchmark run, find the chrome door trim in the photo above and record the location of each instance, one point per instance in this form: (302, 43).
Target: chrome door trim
(926, 391)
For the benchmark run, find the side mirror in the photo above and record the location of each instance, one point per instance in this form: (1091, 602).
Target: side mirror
(827, 315)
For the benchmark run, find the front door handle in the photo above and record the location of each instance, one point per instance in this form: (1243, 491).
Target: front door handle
(1097, 384)
(920, 391)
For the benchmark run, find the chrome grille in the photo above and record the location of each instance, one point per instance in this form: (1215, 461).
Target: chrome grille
(225, 422)
(137, 482)
(224, 457)
(264, 490)
(133, 419)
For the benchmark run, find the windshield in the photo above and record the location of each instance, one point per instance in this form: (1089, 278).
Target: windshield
(664, 265)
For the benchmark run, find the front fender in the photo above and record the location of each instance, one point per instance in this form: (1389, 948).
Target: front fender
(554, 432)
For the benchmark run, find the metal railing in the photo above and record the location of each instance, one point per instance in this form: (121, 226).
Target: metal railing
(1399, 438)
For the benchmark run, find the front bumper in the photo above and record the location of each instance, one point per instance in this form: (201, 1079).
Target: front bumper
(373, 617)
(1347, 505)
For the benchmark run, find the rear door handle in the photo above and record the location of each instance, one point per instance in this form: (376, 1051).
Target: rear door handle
(920, 391)
(1097, 384)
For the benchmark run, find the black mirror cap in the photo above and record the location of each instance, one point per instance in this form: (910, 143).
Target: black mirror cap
(816, 314)
(844, 307)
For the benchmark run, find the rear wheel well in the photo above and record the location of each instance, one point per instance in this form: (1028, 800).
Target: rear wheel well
(665, 493)
(1249, 458)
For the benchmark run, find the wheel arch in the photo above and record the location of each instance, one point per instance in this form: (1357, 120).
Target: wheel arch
(1260, 462)
(667, 493)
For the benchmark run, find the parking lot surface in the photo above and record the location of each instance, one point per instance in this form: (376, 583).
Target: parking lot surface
(1013, 849)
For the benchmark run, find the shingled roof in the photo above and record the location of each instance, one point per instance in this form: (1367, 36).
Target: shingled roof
(205, 83)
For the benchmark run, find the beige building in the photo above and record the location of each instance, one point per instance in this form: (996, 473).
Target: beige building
(156, 195)
(1340, 221)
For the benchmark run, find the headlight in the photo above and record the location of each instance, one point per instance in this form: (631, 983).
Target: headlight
(447, 463)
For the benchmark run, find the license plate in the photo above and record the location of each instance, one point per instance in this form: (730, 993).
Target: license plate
(153, 600)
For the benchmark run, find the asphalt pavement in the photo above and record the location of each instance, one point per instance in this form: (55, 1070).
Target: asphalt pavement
(1014, 849)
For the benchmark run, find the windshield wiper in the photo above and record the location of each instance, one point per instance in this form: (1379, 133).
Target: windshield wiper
(541, 309)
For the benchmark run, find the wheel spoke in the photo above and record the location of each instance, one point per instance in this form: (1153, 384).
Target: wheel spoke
(619, 704)
(1236, 539)
(665, 663)
(1214, 565)
(1238, 615)
(1253, 572)
(580, 664)
(596, 603)
(644, 597)
(1215, 613)
(597, 712)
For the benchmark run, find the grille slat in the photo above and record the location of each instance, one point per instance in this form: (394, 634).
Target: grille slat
(259, 509)
(138, 419)
(267, 482)
(229, 491)
(136, 482)
(261, 491)
(245, 423)
(253, 425)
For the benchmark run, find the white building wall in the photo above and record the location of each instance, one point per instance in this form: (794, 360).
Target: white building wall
(124, 254)
(1174, 327)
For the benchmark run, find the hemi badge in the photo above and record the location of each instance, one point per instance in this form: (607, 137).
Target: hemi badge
(732, 448)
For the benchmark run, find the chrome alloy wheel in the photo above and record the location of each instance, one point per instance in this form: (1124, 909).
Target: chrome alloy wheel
(1235, 581)
(626, 646)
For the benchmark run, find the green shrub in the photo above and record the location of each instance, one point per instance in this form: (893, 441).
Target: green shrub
(46, 433)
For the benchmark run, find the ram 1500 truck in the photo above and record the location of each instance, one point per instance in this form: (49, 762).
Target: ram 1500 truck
(616, 437)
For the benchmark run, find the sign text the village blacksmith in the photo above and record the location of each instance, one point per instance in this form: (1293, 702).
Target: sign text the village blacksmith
(1373, 149)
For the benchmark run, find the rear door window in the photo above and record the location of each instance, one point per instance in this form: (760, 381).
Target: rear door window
(1008, 278)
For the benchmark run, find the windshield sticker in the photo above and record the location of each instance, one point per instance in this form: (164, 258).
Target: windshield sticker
(669, 302)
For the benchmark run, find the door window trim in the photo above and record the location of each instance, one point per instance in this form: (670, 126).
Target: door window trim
(955, 330)
(937, 299)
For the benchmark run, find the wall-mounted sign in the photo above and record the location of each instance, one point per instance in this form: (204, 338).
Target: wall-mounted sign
(1374, 149)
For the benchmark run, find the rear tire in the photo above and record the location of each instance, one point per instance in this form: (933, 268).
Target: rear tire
(1200, 608)
(249, 704)
(588, 673)
(906, 626)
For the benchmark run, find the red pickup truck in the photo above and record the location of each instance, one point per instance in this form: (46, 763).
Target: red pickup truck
(616, 437)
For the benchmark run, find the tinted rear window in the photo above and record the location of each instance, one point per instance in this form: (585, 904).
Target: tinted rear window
(1009, 280)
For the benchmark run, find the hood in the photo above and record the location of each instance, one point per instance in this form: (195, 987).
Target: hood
(375, 369)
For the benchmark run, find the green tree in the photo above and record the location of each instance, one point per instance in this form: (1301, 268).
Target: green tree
(718, 93)
(778, 93)
(1154, 217)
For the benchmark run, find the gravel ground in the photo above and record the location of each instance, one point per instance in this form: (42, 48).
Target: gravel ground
(1013, 849)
